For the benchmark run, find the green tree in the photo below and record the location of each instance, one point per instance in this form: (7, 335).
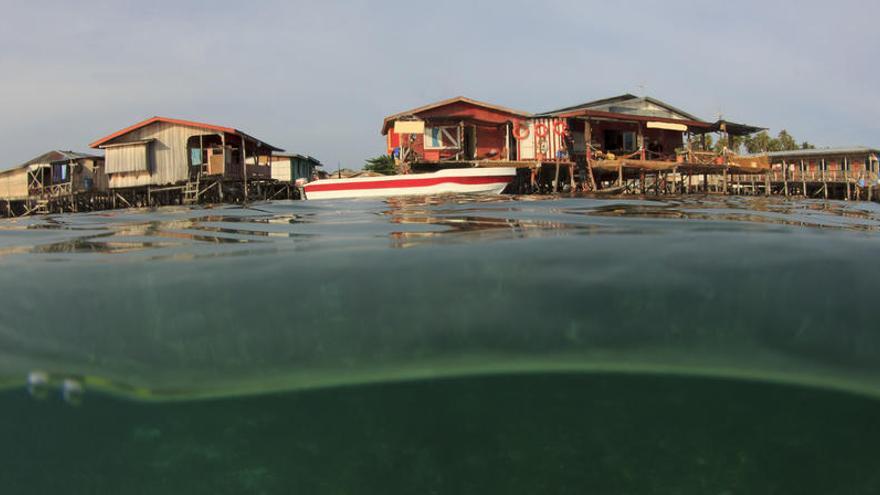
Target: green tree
(785, 142)
(696, 142)
(758, 143)
(762, 142)
(734, 144)
(382, 164)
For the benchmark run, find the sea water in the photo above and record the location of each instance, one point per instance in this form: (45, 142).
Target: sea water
(443, 345)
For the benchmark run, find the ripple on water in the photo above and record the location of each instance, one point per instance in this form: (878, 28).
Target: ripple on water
(194, 302)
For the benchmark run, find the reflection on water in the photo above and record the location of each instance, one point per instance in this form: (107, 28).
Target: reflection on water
(287, 295)
(443, 345)
(429, 219)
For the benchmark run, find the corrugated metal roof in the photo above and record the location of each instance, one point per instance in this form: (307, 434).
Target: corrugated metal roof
(853, 150)
(189, 123)
(52, 156)
(626, 104)
(442, 103)
(58, 156)
(298, 155)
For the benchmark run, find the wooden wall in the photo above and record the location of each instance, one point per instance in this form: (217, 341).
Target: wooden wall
(281, 169)
(13, 184)
(167, 155)
(91, 169)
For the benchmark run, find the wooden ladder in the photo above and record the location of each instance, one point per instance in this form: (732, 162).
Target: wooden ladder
(191, 191)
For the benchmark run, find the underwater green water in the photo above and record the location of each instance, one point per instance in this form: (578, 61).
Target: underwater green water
(448, 345)
(505, 434)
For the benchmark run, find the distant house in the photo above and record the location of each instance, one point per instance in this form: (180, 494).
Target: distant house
(853, 162)
(457, 129)
(289, 167)
(163, 151)
(53, 174)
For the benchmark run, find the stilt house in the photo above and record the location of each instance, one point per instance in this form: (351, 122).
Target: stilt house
(162, 151)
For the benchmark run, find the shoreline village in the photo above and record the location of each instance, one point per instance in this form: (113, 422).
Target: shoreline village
(621, 145)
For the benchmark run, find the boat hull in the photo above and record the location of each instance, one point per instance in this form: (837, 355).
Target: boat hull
(449, 181)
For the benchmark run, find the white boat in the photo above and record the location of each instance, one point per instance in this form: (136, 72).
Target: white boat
(488, 180)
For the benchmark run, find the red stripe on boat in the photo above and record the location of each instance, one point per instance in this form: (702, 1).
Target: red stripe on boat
(404, 183)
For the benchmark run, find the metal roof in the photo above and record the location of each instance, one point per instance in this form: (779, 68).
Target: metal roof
(297, 155)
(450, 101)
(188, 123)
(733, 128)
(853, 150)
(52, 157)
(627, 104)
(58, 156)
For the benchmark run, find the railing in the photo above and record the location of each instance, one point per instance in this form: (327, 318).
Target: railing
(50, 191)
(853, 176)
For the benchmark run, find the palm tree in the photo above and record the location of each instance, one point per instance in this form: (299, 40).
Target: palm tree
(382, 164)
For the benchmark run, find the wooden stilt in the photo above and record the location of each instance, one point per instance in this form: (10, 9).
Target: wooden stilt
(804, 179)
(556, 187)
(785, 177)
(244, 176)
(588, 140)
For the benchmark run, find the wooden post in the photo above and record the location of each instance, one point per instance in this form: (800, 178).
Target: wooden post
(244, 168)
(642, 153)
(556, 187)
(588, 140)
(506, 140)
(705, 183)
(785, 177)
(687, 186)
(461, 153)
(767, 183)
(824, 179)
(724, 181)
(804, 179)
(846, 178)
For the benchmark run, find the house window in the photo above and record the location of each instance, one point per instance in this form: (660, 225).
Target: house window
(616, 140)
(629, 141)
(438, 138)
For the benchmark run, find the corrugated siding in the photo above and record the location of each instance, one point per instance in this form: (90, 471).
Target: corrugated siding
(542, 148)
(130, 179)
(281, 170)
(128, 159)
(167, 154)
(13, 184)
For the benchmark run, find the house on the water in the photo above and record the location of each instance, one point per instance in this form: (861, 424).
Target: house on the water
(290, 167)
(826, 171)
(54, 174)
(161, 151)
(604, 140)
(455, 130)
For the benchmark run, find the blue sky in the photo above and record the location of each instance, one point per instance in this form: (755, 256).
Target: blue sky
(318, 77)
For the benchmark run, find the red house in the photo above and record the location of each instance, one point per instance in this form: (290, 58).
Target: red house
(457, 129)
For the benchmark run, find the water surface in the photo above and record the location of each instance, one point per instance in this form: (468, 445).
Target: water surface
(479, 345)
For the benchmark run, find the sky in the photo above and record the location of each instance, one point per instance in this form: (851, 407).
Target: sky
(317, 78)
